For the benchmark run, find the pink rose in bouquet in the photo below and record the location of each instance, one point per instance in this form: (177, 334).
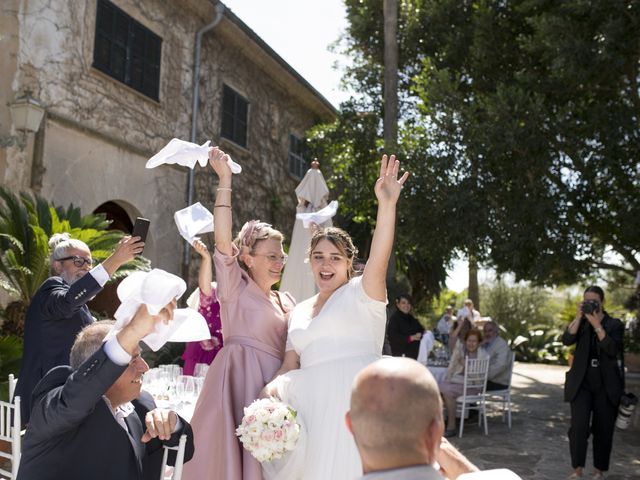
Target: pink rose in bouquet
(268, 429)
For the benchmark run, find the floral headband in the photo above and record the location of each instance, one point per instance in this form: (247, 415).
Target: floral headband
(249, 232)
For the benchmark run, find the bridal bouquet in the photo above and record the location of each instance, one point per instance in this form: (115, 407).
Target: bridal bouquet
(268, 429)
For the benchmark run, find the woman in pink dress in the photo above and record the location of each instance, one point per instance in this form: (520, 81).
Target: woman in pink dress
(254, 327)
(205, 301)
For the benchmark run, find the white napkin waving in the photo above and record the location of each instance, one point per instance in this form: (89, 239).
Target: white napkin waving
(156, 289)
(320, 216)
(192, 221)
(187, 154)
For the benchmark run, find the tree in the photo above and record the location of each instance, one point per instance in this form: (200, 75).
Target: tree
(520, 122)
(26, 223)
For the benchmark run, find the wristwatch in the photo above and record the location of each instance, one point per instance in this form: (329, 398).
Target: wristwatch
(598, 329)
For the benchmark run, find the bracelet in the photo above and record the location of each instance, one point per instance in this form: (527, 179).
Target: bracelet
(224, 189)
(219, 206)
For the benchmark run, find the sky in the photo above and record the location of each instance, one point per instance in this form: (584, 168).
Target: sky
(301, 32)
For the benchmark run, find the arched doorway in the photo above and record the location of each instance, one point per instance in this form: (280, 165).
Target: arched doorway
(106, 302)
(119, 217)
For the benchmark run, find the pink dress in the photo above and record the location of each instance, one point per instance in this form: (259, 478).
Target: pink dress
(194, 353)
(254, 334)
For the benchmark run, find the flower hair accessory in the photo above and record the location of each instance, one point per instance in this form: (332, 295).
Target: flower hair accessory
(249, 230)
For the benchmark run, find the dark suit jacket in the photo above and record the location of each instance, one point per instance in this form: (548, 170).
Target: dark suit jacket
(609, 350)
(401, 326)
(56, 314)
(73, 434)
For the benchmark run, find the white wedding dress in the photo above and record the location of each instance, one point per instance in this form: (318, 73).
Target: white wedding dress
(343, 338)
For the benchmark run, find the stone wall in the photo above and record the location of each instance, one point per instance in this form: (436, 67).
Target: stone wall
(98, 133)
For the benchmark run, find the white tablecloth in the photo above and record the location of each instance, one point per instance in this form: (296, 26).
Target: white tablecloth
(438, 372)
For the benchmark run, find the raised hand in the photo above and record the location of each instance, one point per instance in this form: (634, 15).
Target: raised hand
(218, 161)
(388, 186)
(200, 247)
(126, 250)
(142, 324)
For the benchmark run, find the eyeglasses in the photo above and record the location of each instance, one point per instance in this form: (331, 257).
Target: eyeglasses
(77, 261)
(273, 258)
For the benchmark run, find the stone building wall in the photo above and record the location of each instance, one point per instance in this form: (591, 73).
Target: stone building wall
(98, 133)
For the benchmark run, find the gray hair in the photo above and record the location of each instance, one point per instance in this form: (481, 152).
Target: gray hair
(88, 341)
(59, 243)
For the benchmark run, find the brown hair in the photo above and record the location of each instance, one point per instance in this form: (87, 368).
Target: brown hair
(340, 239)
(474, 331)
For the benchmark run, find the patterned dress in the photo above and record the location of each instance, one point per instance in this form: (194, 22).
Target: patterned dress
(209, 308)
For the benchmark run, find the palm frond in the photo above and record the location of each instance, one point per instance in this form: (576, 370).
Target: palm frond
(7, 287)
(13, 241)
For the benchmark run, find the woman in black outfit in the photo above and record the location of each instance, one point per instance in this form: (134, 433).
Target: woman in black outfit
(594, 382)
(404, 331)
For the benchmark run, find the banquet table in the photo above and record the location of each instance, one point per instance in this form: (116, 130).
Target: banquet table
(438, 372)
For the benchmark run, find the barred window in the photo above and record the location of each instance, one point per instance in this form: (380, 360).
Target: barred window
(126, 50)
(234, 116)
(297, 164)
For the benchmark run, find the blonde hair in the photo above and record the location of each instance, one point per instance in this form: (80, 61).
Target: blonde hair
(251, 233)
(340, 239)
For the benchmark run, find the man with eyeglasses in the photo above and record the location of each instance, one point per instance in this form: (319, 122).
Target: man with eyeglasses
(58, 310)
(500, 357)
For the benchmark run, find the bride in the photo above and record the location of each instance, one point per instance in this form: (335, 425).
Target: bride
(331, 337)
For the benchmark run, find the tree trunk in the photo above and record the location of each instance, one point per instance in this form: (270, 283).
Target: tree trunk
(474, 291)
(390, 76)
(391, 99)
(13, 324)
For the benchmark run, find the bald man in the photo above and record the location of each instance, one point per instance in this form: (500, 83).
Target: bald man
(396, 421)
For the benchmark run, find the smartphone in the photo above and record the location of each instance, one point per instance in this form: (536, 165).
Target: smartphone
(140, 229)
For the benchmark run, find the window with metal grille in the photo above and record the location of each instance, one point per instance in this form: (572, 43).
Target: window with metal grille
(234, 116)
(297, 164)
(126, 50)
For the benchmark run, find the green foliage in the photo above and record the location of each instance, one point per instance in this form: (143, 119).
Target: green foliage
(10, 358)
(518, 121)
(530, 320)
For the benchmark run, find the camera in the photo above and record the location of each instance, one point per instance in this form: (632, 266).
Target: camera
(590, 306)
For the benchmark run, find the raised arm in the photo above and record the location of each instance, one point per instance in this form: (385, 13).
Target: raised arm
(125, 251)
(205, 275)
(387, 190)
(222, 219)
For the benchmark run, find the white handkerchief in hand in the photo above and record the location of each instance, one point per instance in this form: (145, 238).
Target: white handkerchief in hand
(187, 154)
(193, 221)
(156, 289)
(320, 216)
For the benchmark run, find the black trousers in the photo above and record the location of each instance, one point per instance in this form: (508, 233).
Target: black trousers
(592, 412)
(495, 386)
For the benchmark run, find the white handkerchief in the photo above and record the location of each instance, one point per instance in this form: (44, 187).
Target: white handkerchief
(187, 154)
(156, 289)
(193, 221)
(320, 216)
